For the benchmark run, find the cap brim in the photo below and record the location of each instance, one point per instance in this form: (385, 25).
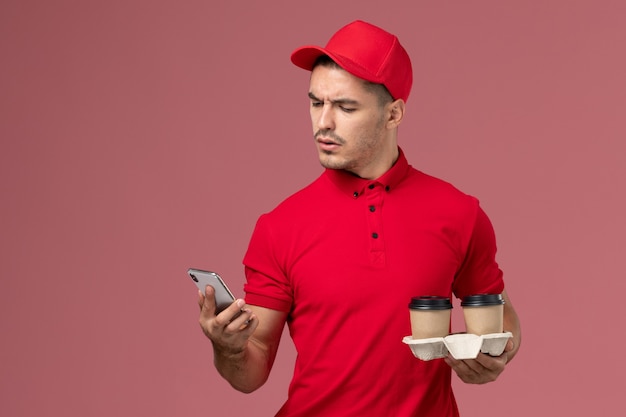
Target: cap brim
(306, 56)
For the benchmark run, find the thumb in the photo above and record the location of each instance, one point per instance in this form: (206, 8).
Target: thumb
(206, 301)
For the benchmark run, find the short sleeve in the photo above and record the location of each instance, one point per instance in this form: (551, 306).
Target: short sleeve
(267, 284)
(479, 272)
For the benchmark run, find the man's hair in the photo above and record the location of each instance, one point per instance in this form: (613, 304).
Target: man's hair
(384, 96)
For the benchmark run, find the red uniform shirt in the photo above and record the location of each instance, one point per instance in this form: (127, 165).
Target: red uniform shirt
(343, 257)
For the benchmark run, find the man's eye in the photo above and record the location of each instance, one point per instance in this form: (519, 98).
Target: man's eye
(347, 109)
(317, 104)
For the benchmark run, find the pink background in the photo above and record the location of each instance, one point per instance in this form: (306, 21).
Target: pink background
(140, 138)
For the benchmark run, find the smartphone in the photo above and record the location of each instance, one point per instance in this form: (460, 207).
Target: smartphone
(223, 296)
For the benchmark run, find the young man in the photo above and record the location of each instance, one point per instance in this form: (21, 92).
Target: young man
(339, 260)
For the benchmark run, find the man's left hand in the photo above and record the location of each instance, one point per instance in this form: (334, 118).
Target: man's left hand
(481, 370)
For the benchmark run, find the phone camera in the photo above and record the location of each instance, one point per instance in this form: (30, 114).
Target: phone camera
(194, 278)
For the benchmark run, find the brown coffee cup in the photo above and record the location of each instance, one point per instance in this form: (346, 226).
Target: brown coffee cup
(483, 313)
(430, 316)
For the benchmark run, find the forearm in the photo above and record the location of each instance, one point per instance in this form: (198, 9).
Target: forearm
(247, 370)
(512, 324)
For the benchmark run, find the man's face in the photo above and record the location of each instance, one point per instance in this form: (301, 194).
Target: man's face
(348, 122)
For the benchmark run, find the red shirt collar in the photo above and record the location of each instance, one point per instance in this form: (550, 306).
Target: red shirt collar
(354, 185)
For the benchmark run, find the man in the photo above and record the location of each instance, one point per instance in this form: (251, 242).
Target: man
(339, 260)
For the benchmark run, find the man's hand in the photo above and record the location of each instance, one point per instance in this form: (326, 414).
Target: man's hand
(481, 370)
(245, 339)
(230, 330)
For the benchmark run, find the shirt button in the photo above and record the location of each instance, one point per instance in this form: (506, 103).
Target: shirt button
(371, 186)
(372, 209)
(375, 235)
(387, 188)
(355, 194)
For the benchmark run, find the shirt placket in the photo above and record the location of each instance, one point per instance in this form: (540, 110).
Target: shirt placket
(374, 196)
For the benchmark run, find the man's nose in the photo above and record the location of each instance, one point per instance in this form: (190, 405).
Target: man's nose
(325, 120)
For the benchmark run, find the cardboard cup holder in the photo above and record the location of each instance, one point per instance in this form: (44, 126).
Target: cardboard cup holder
(459, 345)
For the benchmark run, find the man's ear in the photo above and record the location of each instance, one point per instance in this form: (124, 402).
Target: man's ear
(395, 113)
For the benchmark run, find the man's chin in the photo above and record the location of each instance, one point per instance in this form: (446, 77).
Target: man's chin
(331, 161)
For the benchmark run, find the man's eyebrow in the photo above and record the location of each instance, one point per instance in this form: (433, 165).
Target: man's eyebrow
(336, 101)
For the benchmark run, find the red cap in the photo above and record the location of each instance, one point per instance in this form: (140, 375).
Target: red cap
(365, 51)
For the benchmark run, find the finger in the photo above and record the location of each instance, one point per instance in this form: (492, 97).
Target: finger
(245, 320)
(250, 325)
(465, 371)
(458, 366)
(231, 312)
(208, 303)
(492, 366)
(510, 345)
(474, 367)
(200, 299)
(492, 363)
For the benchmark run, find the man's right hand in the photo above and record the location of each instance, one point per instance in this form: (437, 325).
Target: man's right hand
(245, 339)
(230, 330)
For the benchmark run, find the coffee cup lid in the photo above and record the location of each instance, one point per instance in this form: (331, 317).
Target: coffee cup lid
(430, 302)
(480, 300)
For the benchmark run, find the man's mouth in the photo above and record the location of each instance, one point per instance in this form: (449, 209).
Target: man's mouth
(326, 141)
(327, 145)
(328, 138)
